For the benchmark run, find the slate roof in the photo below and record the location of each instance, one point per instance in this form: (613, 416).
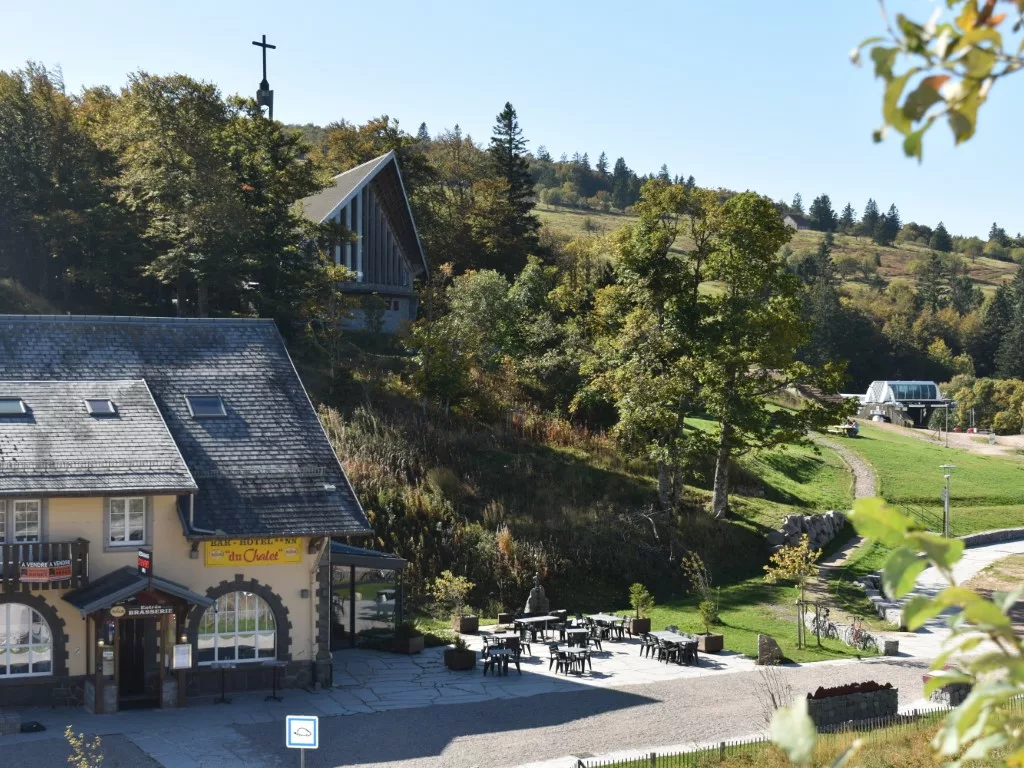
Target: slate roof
(57, 447)
(267, 468)
(124, 583)
(346, 554)
(384, 172)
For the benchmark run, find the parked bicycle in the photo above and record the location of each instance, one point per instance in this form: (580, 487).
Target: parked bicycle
(857, 637)
(823, 627)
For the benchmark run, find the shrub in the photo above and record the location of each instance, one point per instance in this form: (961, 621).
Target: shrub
(708, 613)
(450, 591)
(641, 600)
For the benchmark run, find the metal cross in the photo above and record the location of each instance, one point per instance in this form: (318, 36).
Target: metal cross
(264, 45)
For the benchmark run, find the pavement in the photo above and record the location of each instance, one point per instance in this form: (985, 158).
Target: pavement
(410, 711)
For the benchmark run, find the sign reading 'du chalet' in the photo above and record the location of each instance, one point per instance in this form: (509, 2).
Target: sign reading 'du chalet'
(253, 552)
(45, 571)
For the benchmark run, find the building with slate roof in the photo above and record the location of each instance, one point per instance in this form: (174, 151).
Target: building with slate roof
(386, 255)
(167, 501)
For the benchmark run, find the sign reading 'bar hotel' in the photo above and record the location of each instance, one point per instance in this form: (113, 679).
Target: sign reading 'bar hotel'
(253, 551)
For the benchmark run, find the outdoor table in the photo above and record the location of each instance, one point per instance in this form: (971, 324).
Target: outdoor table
(274, 666)
(580, 632)
(500, 663)
(223, 666)
(606, 620)
(676, 638)
(574, 650)
(533, 623)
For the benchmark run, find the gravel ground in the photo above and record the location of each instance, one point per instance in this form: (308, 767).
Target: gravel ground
(510, 732)
(118, 752)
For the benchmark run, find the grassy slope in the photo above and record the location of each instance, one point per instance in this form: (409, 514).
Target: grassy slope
(15, 299)
(987, 273)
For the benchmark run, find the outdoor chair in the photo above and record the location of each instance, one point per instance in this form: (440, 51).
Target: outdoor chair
(688, 653)
(648, 645)
(585, 659)
(667, 651)
(595, 640)
(516, 651)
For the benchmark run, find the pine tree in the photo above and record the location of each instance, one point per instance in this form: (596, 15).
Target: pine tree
(888, 227)
(663, 174)
(543, 154)
(798, 203)
(994, 322)
(848, 219)
(822, 217)
(691, 182)
(1009, 362)
(940, 239)
(824, 310)
(519, 225)
(622, 185)
(423, 135)
(997, 234)
(869, 221)
(932, 283)
(602, 165)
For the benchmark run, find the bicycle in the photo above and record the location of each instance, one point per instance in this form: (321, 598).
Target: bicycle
(823, 628)
(857, 637)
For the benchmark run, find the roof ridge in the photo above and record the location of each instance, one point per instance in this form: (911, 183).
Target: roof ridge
(140, 319)
(72, 381)
(368, 162)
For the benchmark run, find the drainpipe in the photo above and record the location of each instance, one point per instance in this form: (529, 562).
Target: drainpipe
(191, 517)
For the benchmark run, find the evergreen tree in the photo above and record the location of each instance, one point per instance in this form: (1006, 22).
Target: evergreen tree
(585, 162)
(518, 223)
(798, 203)
(996, 316)
(848, 219)
(824, 311)
(691, 182)
(822, 217)
(940, 239)
(622, 187)
(663, 174)
(1009, 363)
(543, 154)
(869, 221)
(997, 234)
(423, 135)
(602, 166)
(932, 283)
(888, 227)
(964, 295)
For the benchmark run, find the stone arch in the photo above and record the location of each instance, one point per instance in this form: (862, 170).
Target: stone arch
(49, 613)
(240, 584)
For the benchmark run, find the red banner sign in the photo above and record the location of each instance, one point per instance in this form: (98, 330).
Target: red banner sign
(145, 562)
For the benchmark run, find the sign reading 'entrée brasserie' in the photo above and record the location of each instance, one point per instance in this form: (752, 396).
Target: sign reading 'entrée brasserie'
(253, 552)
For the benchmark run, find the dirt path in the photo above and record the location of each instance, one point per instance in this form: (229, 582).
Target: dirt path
(1004, 445)
(865, 482)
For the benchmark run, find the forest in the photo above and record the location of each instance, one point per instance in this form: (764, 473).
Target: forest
(562, 400)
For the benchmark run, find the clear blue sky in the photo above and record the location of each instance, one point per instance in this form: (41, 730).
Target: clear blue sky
(744, 94)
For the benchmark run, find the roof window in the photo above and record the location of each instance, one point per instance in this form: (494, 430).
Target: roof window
(205, 406)
(100, 406)
(12, 406)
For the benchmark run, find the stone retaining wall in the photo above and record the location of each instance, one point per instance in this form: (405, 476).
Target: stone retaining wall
(853, 707)
(820, 529)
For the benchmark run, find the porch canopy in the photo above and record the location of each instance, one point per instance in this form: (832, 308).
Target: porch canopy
(346, 554)
(124, 583)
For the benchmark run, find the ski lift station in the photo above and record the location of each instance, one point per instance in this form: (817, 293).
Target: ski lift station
(910, 403)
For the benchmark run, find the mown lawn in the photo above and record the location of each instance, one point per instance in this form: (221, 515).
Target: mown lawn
(746, 609)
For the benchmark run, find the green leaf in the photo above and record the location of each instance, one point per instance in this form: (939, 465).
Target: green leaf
(793, 732)
(890, 104)
(913, 144)
(874, 520)
(884, 58)
(1006, 600)
(901, 570)
(941, 551)
(943, 677)
(919, 100)
(918, 610)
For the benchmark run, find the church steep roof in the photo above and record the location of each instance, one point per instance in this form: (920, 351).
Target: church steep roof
(384, 172)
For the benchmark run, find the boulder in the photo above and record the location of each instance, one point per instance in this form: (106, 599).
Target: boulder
(768, 651)
(775, 538)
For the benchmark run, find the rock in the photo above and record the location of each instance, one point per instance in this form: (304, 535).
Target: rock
(775, 538)
(768, 651)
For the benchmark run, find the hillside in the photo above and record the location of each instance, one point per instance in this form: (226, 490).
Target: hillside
(895, 262)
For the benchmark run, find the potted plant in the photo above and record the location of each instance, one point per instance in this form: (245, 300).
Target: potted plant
(642, 602)
(451, 592)
(708, 641)
(460, 658)
(407, 639)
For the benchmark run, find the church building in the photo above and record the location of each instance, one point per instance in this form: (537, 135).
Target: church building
(386, 255)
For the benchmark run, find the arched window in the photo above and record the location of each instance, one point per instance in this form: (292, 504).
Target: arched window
(26, 647)
(239, 627)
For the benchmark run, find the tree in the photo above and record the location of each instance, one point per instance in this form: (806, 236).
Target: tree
(822, 217)
(869, 221)
(1009, 362)
(998, 235)
(543, 154)
(888, 227)
(622, 178)
(749, 334)
(663, 174)
(996, 314)
(824, 311)
(940, 239)
(798, 203)
(847, 220)
(602, 166)
(932, 283)
(423, 135)
(516, 221)
(796, 563)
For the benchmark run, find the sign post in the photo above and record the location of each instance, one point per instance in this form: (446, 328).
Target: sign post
(302, 732)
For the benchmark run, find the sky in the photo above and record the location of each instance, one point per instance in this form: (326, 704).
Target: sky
(743, 94)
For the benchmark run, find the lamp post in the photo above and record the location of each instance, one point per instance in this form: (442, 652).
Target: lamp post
(948, 473)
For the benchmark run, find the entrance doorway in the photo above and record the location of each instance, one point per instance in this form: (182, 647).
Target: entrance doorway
(136, 685)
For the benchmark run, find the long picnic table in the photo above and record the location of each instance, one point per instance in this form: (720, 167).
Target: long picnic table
(607, 621)
(677, 638)
(534, 623)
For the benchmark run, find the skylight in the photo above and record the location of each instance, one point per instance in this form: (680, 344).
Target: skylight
(12, 406)
(100, 407)
(205, 406)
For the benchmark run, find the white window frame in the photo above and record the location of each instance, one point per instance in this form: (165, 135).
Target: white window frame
(32, 643)
(221, 628)
(12, 531)
(127, 512)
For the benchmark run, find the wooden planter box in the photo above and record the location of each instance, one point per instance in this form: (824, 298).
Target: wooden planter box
(710, 643)
(409, 645)
(459, 661)
(466, 625)
(639, 626)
